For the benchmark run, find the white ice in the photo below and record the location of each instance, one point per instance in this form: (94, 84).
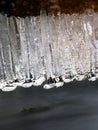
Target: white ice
(47, 46)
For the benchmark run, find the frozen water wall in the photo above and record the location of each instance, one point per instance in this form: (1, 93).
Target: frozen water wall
(48, 49)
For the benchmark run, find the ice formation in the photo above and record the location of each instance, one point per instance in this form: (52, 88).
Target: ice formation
(35, 49)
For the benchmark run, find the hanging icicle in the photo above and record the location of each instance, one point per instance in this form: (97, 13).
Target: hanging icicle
(47, 48)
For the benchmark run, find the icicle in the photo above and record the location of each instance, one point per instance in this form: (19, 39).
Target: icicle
(35, 49)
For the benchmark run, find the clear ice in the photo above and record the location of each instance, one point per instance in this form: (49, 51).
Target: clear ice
(62, 48)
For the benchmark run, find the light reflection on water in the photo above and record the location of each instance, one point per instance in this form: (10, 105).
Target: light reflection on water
(73, 107)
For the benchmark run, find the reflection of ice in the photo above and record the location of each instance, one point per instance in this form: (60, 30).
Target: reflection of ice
(37, 48)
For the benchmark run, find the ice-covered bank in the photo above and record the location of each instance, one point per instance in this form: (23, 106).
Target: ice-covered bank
(57, 49)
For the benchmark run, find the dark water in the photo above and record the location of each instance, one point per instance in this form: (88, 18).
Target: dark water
(72, 107)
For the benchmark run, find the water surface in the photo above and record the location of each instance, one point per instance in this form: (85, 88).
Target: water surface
(72, 107)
